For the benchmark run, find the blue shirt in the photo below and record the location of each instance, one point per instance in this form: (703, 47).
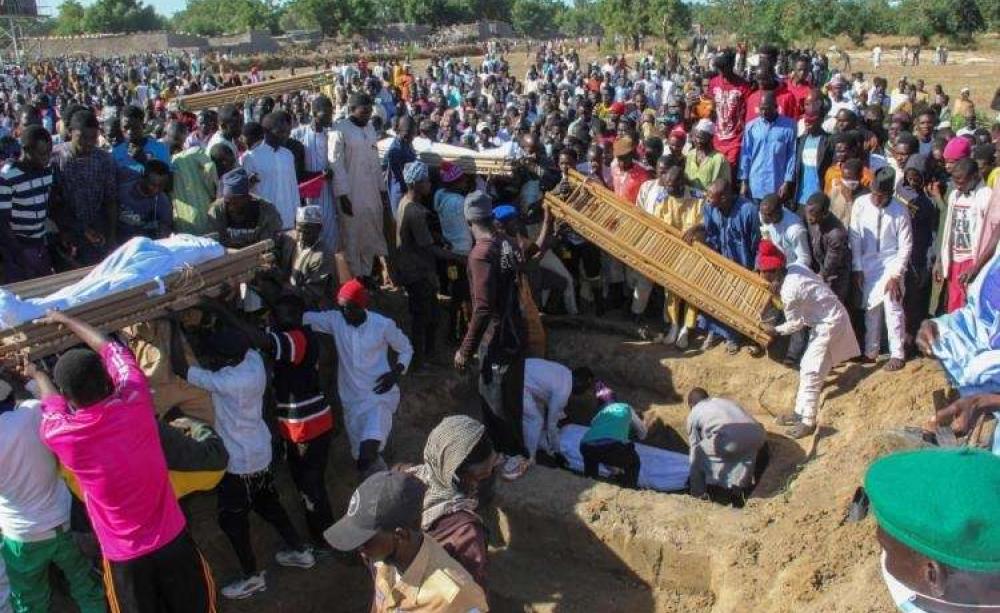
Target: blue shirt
(153, 148)
(399, 155)
(809, 184)
(450, 208)
(767, 156)
(735, 235)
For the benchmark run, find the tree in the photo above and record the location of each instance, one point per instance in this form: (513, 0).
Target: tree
(121, 16)
(212, 17)
(534, 17)
(69, 19)
(345, 17)
(581, 19)
(621, 17)
(966, 20)
(670, 19)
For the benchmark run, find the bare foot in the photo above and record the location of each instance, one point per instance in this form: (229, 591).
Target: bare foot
(894, 364)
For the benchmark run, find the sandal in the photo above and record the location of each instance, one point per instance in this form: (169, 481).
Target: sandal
(800, 430)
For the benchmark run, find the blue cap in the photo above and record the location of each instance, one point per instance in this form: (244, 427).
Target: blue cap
(504, 212)
(236, 182)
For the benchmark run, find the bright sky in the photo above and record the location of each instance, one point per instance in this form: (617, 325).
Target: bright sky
(163, 7)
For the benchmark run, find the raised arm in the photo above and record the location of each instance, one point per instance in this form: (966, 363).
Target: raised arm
(91, 336)
(178, 360)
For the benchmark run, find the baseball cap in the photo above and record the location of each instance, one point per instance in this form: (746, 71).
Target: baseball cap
(384, 501)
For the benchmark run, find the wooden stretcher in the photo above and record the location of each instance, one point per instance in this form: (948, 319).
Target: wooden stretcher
(472, 162)
(721, 288)
(179, 290)
(274, 87)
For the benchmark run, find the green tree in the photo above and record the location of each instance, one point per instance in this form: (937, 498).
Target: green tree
(121, 16)
(534, 17)
(621, 17)
(69, 19)
(345, 17)
(669, 19)
(580, 19)
(211, 17)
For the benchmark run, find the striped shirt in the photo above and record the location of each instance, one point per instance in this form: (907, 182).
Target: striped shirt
(302, 410)
(24, 194)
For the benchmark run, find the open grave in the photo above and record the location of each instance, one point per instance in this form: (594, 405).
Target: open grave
(564, 543)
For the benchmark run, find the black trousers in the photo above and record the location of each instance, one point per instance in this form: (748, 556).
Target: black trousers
(240, 494)
(307, 464)
(916, 300)
(424, 314)
(501, 389)
(173, 579)
(618, 455)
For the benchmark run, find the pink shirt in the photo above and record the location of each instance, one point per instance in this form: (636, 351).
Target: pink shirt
(113, 448)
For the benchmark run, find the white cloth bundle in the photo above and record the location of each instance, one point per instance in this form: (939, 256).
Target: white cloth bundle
(659, 469)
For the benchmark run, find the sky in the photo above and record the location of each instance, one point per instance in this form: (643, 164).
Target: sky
(163, 7)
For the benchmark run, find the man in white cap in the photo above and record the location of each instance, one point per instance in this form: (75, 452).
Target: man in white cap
(305, 265)
(703, 164)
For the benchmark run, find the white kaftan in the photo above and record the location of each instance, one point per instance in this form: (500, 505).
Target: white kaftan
(547, 388)
(317, 160)
(362, 357)
(810, 303)
(277, 183)
(357, 173)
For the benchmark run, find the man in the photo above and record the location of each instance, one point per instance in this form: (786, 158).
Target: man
(830, 246)
(101, 426)
(143, 207)
(416, 266)
(361, 194)
(730, 93)
(728, 449)
(366, 380)
(814, 154)
(548, 386)
(767, 154)
(924, 131)
(497, 332)
(25, 191)
(767, 82)
(239, 218)
(206, 126)
(411, 571)
(304, 265)
(703, 163)
(968, 204)
(627, 176)
(881, 244)
(683, 212)
(137, 148)
(315, 138)
(808, 303)
(924, 220)
(731, 227)
(230, 129)
(449, 204)
(86, 194)
(35, 514)
(235, 376)
(608, 440)
(937, 529)
(786, 230)
(273, 165)
(194, 183)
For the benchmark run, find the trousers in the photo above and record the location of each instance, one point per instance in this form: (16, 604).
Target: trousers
(815, 366)
(614, 454)
(551, 262)
(240, 494)
(895, 323)
(307, 464)
(173, 579)
(424, 315)
(28, 570)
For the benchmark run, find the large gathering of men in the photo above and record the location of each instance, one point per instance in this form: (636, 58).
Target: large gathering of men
(872, 214)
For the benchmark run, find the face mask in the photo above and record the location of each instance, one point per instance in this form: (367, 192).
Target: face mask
(905, 598)
(851, 185)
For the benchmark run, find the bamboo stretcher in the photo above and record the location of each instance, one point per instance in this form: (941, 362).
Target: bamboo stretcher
(472, 162)
(243, 93)
(711, 283)
(179, 290)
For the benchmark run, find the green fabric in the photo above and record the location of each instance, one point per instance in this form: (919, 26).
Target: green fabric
(613, 422)
(194, 187)
(28, 571)
(714, 167)
(944, 504)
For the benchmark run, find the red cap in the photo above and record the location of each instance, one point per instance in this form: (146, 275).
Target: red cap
(617, 108)
(678, 131)
(353, 292)
(769, 257)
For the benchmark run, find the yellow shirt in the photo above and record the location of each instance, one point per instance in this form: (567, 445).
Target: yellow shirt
(994, 178)
(682, 212)
(434, 583)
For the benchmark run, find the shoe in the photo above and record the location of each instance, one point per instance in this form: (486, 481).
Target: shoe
(682, 339)
(732, 347)
(671, 336)
(710, 341)
(514, 468)
(245, 588)
(800, 430)
(295, 559)
(787, 419)
(755, 351)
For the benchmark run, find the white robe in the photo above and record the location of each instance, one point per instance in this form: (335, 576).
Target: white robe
(362, 357)
(275, 169)
(547, 388)
(810, 303)
(879, 250)
(317, 160)
(357, 173)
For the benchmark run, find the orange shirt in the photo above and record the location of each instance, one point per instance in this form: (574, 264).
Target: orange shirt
(834, 173)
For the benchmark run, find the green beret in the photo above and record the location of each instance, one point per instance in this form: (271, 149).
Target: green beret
(942, 503)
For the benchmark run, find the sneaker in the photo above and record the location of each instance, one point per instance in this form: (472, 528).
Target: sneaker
(682, 339)
(245, 588)
(295, 559)
(514, 468)
(732, 347)
(710, 341)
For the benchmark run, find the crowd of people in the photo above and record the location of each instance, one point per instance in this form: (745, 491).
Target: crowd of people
(869, 212)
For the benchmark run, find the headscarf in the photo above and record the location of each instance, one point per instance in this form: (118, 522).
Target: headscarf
(414, 172)
(448, 445)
